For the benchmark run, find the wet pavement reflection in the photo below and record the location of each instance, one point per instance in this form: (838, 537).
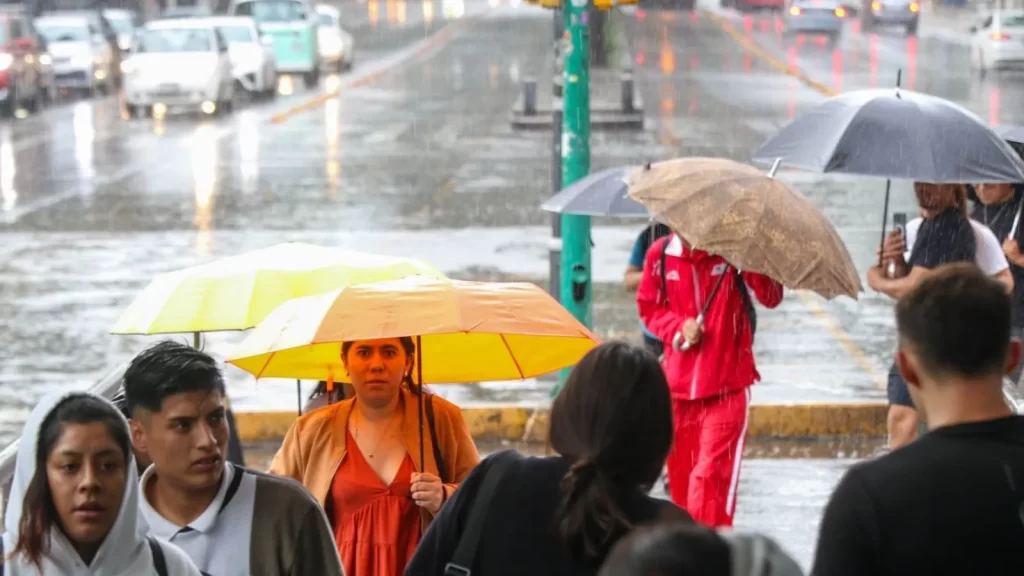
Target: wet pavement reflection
(414, 155)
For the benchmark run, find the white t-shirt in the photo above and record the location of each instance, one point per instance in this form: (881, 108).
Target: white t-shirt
(988, 253)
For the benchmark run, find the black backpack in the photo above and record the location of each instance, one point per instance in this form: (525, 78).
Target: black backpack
(748, 304)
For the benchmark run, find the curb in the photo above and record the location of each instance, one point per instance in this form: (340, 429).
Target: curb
(503, 422)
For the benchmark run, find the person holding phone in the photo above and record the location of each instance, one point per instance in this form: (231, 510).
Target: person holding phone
(943, 234)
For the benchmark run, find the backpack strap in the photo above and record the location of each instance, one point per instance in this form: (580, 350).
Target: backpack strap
(438, 456)
(159, 561)
(661, 270)
(748, 304)
(469, 541)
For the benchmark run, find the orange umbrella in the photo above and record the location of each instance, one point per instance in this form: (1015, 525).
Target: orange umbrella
(467, 331)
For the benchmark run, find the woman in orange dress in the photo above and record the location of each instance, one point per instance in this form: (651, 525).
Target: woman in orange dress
(360, 458)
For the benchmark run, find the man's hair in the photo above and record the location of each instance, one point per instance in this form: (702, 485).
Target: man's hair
(165, 369)
(957, 321)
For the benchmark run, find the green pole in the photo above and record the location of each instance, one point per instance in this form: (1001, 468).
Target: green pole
(575, 285)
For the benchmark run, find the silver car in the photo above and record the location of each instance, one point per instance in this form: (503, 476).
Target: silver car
(904, 13)
(825, 17)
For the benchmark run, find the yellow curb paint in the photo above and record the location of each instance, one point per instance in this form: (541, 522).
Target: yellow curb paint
(509, 422)
(440, 38)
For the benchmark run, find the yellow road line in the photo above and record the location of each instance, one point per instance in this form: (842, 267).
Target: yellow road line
(320, 99)
(856, 353)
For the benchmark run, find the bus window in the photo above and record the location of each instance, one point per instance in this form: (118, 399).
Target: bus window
(266, 11)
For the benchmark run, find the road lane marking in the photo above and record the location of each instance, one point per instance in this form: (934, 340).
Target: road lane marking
(372, 73)
(856, 353)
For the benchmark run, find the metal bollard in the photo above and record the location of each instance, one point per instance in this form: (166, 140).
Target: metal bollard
(529, 96)
(627, 94)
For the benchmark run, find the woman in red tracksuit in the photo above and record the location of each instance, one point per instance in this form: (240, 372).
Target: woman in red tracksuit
(710, 382)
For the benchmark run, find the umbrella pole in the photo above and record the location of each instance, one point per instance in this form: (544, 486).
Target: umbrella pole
(195, 340)
(298, 393)
(419, 382)
(885, 218)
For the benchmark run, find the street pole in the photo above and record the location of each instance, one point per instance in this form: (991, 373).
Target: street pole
(575, 284)
(555, 249)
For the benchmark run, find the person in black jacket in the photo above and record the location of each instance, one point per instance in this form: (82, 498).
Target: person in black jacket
(611, 426)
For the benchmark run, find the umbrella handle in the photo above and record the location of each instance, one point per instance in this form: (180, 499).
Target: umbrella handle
(687, 345)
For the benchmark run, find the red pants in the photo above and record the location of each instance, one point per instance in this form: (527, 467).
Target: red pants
(704, 464)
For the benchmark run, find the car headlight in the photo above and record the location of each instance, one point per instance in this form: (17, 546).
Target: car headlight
(5, 61)
(45, 59)
(81, 60)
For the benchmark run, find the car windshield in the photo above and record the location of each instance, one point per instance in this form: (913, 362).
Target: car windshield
(1015, 21)
(53, 32)
(175, 40)
(328, 20)
(272, 11)
(237, 34)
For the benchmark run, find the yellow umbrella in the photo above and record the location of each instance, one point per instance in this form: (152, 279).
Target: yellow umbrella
(466, 331)
(237, 292)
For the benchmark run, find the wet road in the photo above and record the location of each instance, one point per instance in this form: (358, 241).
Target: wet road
(415, 156)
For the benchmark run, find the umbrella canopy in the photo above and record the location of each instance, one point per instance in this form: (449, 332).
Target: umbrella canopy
(468, 331)
(599, 194)
(1012, 134)
(237, 292)
(893, 133)
(753, 221)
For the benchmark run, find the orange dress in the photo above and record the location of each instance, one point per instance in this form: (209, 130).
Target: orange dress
(377, 526)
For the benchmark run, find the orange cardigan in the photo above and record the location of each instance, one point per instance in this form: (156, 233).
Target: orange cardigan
(314, 446)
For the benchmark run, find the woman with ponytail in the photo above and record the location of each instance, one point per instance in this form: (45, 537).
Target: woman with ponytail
(360, 458)
(611, 427)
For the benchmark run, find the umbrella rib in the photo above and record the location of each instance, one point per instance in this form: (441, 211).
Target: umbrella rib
(265, 364)
(522, 376)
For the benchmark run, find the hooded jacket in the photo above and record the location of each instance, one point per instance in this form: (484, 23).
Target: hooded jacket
(757, 555)
(124, 551)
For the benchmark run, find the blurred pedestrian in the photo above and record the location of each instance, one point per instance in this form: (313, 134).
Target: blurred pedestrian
(195, 499)
(944, 235)
(321, 397)
(611, 428)
(360, 458)
(680, 549)
(701, 307)
(635, 271)
(73, 507)
(953, 501)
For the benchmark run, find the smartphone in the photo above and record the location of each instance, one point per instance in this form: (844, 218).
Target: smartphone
(899, 220)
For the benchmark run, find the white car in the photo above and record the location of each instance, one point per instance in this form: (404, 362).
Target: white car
(336, 46)
(178, 64)
(124, 23)
(252, 56)
(997, 42)
(82, 58)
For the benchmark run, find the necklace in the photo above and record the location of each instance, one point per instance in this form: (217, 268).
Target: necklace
(380, 440)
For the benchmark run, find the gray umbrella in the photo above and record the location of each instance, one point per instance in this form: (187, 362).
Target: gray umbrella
(599, 194)
(894, 133)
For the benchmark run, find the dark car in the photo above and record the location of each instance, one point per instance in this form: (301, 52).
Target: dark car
(22, 82)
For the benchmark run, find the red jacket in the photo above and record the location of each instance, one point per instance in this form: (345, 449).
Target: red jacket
(723, 361)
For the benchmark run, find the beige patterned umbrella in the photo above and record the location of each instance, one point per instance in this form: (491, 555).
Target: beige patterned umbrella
(752, 220)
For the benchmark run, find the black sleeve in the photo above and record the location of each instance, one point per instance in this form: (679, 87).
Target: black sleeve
(945, 245)
(438, 545)
(849, 537)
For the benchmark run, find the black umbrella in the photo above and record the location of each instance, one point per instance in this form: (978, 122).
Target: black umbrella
(894, 133)
(599, 194)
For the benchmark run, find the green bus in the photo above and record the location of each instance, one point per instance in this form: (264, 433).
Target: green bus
(292, 27)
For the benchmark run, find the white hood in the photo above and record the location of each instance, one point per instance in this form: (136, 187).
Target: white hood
(69, 49)
(124, 551)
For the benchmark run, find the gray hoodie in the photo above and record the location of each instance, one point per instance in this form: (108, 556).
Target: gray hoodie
(125, 550)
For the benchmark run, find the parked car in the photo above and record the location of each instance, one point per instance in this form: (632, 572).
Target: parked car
(82, 57)
(252, 56)
(997, 42)
(179, 64)
(336, 45)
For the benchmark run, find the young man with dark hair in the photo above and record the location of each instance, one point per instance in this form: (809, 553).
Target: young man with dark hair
(953, 501)
(195, 499)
